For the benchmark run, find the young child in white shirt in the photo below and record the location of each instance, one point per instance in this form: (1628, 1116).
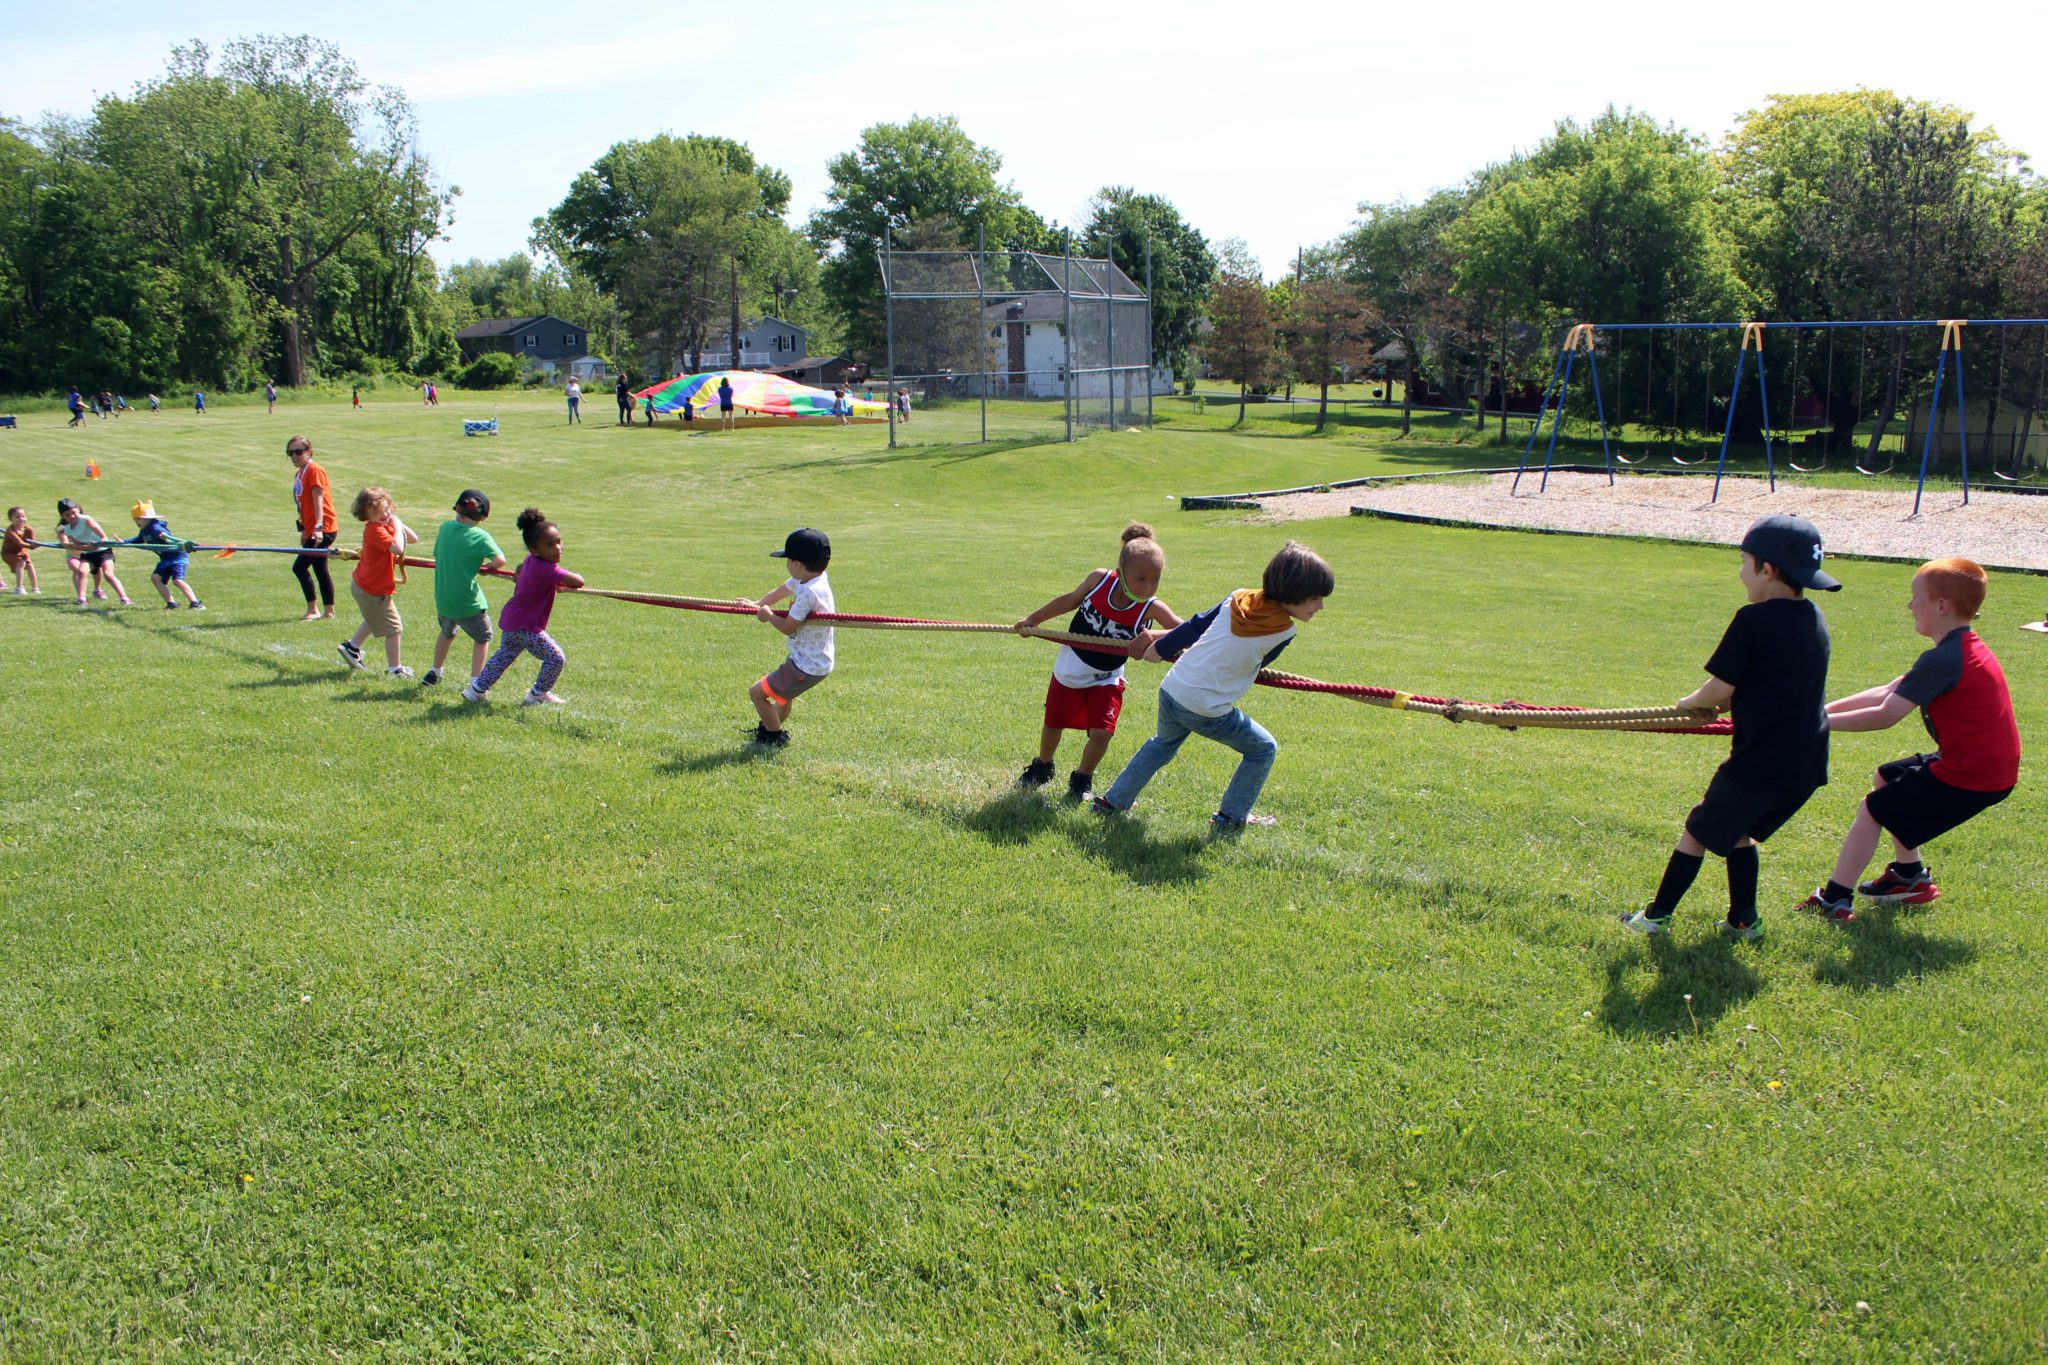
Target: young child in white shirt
(808, 592)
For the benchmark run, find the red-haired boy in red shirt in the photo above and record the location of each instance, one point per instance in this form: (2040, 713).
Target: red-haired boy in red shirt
(1960, 692)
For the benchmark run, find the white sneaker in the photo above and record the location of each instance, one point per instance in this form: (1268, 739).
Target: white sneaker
(398, 671)
(470, 694)
(541, 699)
(1641, 922)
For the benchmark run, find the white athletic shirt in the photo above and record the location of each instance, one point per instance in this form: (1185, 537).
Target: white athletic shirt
(811, 647)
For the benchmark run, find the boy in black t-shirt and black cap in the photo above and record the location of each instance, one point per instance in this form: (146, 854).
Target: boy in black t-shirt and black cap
(1771, 672)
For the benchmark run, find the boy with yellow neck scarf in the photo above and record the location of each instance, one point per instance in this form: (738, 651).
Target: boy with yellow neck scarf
(1216, 658)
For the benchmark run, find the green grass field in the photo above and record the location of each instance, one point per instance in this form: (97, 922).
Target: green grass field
(341, 1020)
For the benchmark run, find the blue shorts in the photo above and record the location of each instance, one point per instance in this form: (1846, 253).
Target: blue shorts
(171, 569)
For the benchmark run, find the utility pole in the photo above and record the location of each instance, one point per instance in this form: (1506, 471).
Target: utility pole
(889, 321)
(735, 337)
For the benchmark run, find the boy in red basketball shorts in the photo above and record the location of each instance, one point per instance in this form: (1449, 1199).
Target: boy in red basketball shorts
(1087, 688)
(1960, 692)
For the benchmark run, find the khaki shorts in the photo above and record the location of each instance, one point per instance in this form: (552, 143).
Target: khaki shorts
(380, 614)
(788, 682)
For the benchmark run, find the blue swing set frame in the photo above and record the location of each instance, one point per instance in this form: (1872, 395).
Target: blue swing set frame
(1583, 337)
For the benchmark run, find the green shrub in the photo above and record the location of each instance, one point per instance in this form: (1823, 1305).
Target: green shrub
(491, 370)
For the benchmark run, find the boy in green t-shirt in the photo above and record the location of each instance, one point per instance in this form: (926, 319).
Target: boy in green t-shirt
(461, 551)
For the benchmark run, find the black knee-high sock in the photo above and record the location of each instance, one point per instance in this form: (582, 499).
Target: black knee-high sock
(1742, 870)
(1678, 875)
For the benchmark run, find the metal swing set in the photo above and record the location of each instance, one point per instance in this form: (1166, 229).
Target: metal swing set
(1585, 339)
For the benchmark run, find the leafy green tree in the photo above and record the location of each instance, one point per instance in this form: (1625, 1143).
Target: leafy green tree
(1399, 258)
(682, 233)
(1611, 222)
(1327, 329)
(1124, 222)
(1864, 204)
(491, 370)
(1241, 343)
(904, 173)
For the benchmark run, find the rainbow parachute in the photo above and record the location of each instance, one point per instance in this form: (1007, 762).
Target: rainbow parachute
(755, 393)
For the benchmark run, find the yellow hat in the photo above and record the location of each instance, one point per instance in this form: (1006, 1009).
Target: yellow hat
(142, 510)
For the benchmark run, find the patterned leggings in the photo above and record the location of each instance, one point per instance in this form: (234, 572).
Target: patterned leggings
(516, 643)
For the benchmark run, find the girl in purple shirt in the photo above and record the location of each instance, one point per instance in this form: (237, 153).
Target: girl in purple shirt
(524, 621)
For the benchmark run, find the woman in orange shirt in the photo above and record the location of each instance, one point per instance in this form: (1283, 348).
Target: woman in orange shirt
(316, 526)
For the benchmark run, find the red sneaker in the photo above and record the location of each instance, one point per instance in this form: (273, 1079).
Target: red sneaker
(1890, 887)
(1835, 912)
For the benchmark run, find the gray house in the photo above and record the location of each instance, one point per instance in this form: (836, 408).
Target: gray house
(545, 340)
(765, 344)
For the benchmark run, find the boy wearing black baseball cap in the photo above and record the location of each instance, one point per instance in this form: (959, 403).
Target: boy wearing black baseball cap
(808, 592)
(1771, 672)
(462, 550)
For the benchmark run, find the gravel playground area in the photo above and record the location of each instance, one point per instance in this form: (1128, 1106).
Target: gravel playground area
(1998, 530)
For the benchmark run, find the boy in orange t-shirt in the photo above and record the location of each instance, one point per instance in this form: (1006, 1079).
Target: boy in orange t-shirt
(375, 582)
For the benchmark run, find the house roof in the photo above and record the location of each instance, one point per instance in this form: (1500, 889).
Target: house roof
(1031, 308)
(811, 362)
(750, 324)
(497, 327)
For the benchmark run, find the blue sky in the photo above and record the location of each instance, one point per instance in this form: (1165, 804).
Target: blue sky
(1267, 123)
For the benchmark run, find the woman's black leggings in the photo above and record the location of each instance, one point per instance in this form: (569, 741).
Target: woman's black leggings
(311, 567)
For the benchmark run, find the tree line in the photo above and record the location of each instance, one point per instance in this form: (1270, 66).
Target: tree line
(1850, 206)
(265, 212)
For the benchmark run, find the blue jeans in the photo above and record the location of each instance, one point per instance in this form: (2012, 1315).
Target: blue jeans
(1236, 730)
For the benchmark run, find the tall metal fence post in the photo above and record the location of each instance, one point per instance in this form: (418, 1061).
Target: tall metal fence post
(1150, 359)
(1109, 290)
(889, 322)
(1067, 295)
(981, 319)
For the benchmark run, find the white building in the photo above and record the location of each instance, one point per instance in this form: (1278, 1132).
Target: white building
(1027, 350)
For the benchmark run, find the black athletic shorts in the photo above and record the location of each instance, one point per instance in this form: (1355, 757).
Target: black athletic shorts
(1732, 811)
(1914, 805)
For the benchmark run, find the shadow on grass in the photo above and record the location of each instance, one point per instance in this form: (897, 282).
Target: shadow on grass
(1123, 843)
(453, 709)
(1882, 952)
(1012, 818)
(1711, 972)
(192, 637)
(714, 760)
(381, 693)
(949, 453)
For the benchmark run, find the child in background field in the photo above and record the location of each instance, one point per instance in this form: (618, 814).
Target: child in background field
(199, 402)
(375, 582)
(171, 561)
(462, 550)
(807, 591)
(1216, 658)
(1771, 672)
(1087, 688)
(647, 408)
(525, 617)
(92, 555)
(155, 403)
(16, 550)
(1963, 700)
